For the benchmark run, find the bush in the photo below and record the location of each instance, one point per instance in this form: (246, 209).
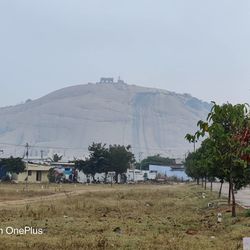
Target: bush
(51, 175)
(247, 213)
(6, 178)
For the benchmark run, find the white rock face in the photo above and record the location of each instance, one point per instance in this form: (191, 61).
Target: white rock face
(151, 120)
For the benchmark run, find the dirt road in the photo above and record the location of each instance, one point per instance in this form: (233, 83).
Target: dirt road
(66, 193)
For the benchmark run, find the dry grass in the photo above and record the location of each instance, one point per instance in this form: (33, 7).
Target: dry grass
(10, 192)
(127, 217)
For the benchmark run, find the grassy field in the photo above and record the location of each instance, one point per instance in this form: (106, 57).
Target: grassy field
(121, 217)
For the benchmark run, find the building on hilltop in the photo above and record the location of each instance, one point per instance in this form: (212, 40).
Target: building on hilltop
(106, 80)
(110, 80)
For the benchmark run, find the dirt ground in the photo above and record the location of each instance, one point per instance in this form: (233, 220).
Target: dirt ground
(20, 194)
(174, 217)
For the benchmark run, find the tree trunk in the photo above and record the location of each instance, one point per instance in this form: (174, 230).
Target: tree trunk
(198, 181)
(202, 182)
(221, 183)
(233, 201)
(211, 186)
(105, 177)
(205, 183)
(229, 193)
(116, 177)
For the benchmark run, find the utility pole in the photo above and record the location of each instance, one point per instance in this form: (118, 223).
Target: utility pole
(42, 155)
(27, 146)
(140, 154)
(27, 163)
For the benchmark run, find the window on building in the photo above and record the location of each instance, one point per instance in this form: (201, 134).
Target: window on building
(29, 172)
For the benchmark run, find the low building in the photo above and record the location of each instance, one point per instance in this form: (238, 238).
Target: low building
(149, 174)
(83, 178)
(177, 171)
(34, 173)
(107, 80)
(110, 80)
(67, 169)
(135, 175)
(132, 175)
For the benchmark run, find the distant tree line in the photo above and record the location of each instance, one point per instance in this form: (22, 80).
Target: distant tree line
(225, 153)
(155, 160)
(103, 159)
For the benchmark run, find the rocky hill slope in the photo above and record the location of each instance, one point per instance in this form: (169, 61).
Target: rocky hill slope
(68, 120)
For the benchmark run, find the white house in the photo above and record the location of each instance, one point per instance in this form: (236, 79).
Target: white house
(133, 175)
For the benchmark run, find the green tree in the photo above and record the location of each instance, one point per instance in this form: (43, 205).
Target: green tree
(52, 175)
(208, 161)
(155, 160)
(204, 164)
(120, 159)
(191, 138)
(224, 124)
(13, 165)
(56, 158)
(192, 165)
(101, 159)
(97, 162)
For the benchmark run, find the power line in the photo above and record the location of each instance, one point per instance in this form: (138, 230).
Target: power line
(36, 146)
(61, 147)
(144, 150)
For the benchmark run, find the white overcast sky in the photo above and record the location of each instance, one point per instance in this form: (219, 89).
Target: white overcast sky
(196, 46)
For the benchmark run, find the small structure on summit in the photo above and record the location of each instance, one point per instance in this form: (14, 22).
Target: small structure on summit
(110, 80)
(106, 80)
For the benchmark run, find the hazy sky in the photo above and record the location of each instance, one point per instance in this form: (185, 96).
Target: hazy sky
(195, 46)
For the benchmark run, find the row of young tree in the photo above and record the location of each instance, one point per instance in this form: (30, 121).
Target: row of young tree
(225, 152)
(103, 159)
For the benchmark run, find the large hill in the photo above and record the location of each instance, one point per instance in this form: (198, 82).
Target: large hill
(68, 120)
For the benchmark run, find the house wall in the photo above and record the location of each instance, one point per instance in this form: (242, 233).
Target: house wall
(132, 176)
(32, 178)
(151, 175)
(168, 171)
(82, 178)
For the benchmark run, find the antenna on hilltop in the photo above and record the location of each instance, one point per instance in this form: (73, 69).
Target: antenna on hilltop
(119, 80)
